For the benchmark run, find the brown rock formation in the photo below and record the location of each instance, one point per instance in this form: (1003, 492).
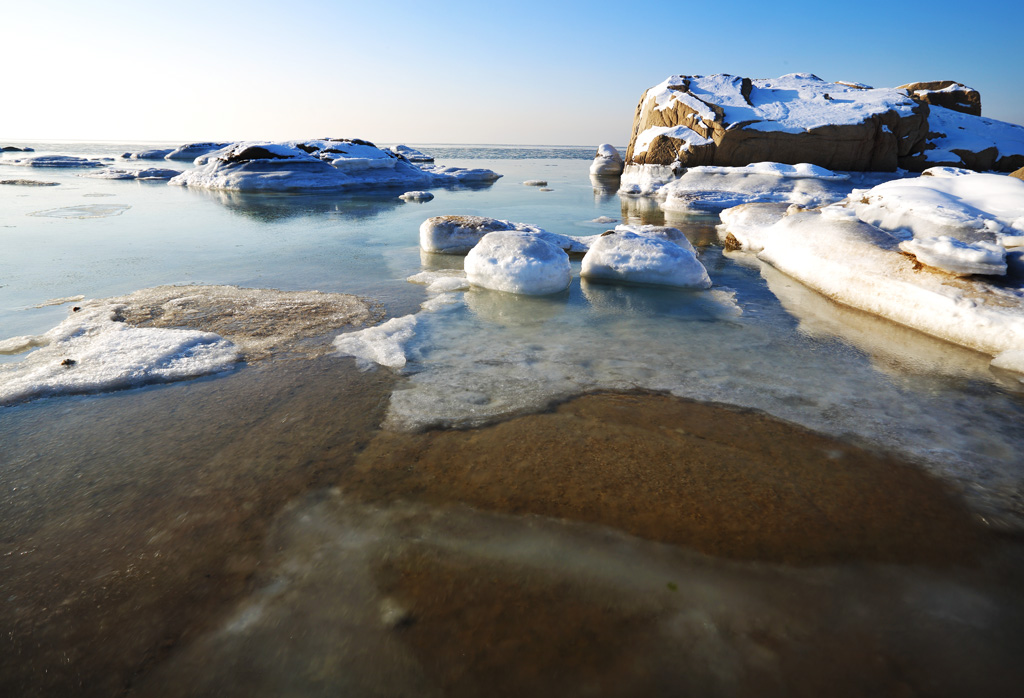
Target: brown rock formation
(946, 93)
(1019, 174)
(876, 143)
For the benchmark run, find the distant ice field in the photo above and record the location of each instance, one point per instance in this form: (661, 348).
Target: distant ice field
(757, 338)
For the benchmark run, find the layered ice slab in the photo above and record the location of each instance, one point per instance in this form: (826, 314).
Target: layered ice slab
(190, 151)
(91, 351)
(411, 154)
(515, 263)
(855, 253)
(171, 333)
(149, 173)
(56, 161)
(459, 234)
(607, 162)
(712, 187)
(151, 154)
(625, 256)
(725, 120)
(317, 165)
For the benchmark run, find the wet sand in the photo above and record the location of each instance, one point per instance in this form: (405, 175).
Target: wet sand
(721, 480)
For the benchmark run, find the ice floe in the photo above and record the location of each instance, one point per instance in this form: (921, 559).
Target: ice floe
(171, 333)
(515, 263)
(608, 161)
(625, 256)
(56, 161)
(383, 344)
(708, 187)
(152, 154)
(92, 351)
(150, 173)
(459, 234)
(535, 183)
(462, 175)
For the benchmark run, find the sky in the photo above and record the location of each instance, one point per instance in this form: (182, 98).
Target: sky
(524, 72)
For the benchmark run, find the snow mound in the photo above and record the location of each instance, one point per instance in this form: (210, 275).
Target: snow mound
(607, 162)
(956, 257)
(970, 207)
(515, 263)
(92, 351)
(644, 259)
(459, 234)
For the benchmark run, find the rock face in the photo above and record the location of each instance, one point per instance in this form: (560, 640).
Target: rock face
(730, 121)
(1019, 174)
(946, 93)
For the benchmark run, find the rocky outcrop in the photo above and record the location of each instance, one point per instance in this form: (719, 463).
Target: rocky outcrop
(1019, 174)
(946, 93)
(730, 121)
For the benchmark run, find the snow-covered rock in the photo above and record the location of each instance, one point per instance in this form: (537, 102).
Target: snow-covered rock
(725, 120)
(732, 121)
(56, 161)
(15, 149)
(416, 196)
(607, 162)
(316, 165)
(964, 140)
(459, 234)
(515, 263)
(153, 154)
(150, 173)
(190, 151)
(411, 154)
(644, 259)
(946, 93)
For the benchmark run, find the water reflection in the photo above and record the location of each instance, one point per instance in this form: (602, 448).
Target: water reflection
(605, 187)
(514, 310)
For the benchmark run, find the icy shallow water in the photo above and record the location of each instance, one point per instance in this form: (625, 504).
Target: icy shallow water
(756, 339)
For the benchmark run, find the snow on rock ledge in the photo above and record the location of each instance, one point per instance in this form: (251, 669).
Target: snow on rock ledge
(515, 263)
(643, 259)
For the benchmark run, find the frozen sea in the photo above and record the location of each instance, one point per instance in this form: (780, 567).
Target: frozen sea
(756, 340)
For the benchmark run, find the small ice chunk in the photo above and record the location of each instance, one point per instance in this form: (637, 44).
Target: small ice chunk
(643, 259)
(416, 196)
(535, 183)
(152, 154)
(607, 162)
(383, 344)
(461, 175)
(517, 263)
(55, 161)
(956, 257)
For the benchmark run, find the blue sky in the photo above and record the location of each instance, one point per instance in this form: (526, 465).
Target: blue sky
(455, 72)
